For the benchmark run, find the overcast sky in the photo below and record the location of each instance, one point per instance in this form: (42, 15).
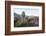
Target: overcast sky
(28, 11)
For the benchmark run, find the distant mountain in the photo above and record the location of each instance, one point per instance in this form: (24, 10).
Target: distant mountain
(20, 16)
(17, 15)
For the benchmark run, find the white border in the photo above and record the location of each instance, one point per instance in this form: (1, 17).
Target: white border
(25, 28)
